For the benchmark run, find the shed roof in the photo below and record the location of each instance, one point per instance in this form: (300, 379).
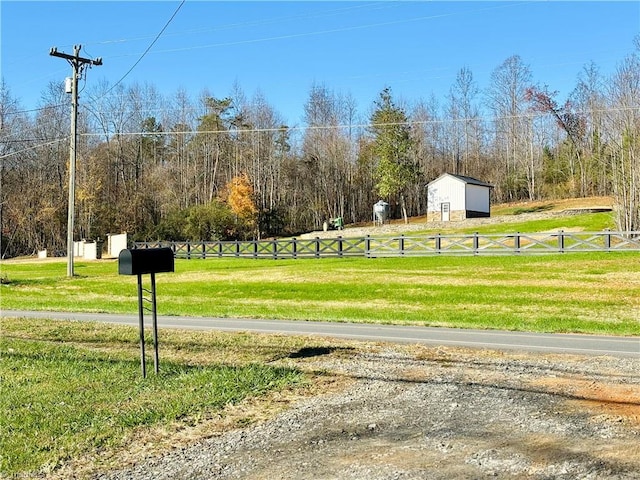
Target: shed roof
(469, 180)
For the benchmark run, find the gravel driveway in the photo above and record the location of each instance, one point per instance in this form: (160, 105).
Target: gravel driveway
(411, 412)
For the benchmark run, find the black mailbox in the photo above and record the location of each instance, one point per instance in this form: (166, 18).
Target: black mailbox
(139, 261)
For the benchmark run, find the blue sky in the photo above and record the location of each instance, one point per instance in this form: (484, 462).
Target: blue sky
(281, 48)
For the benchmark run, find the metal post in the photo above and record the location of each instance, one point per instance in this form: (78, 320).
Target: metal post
(143, 364)
(156, 358)
(561, 241)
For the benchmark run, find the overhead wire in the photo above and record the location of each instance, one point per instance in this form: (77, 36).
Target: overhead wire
(409, 123)
(132, 67)
(331, 31)
(267, 21)
(364, 125)
(275, 37)
(245, 41)
(34, 147)
(148, 48)
(259, 40)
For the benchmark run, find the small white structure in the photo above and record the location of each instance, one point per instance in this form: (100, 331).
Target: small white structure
(86, 250)
(456, 197)
(115, 244)
(90, 251)
(380, 212)
(78, 249)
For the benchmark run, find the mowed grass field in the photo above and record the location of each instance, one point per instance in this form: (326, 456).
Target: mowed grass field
(576, 292)
(74, 403)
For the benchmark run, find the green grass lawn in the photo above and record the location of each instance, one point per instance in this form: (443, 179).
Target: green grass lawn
(71, 388)
(577, 292)
(74, 390)
(587, 222)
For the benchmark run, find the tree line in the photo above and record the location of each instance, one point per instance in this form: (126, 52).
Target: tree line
(183, 168)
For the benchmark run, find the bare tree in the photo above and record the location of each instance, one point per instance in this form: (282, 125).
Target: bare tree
(589, 99)
(464, 124)
(326, 153)
(624, 124)
(506, 100)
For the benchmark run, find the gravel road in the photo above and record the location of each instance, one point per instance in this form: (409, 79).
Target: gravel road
(417, 412)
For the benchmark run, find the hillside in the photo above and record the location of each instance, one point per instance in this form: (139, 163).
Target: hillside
(506, 213)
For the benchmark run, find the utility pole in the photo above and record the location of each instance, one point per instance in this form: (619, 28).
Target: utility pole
(77, 64)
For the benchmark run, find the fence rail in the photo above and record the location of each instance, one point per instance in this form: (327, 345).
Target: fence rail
(423, 245)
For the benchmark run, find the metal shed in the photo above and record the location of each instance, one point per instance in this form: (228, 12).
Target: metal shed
(457, 197)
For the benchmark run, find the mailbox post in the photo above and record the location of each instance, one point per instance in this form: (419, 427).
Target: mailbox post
(142, 261)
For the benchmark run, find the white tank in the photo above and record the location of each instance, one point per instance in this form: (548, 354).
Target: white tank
(380, 212)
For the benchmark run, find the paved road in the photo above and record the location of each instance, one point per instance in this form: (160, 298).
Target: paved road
(492, 339)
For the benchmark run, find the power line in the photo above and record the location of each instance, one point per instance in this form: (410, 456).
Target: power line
(250, 23)
(409, 123)
(148, 48)
(128, 72)
(34, 147)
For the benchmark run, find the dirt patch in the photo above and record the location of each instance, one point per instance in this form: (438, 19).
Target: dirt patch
(395, 412)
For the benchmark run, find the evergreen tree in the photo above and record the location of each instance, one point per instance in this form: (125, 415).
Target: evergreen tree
(392, 146)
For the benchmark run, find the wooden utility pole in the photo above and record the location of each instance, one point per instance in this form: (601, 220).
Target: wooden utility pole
(77, 64)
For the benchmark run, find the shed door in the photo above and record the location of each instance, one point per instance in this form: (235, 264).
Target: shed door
(444, 211)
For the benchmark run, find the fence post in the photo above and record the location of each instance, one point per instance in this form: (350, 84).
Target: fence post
(219, 248)
(516, 240)
(188, 250)
(274, 244)
(294, 247)
(476, 243)
(237, 248)
(561, 241)
(317, 247)
(367, 246)
(607, 239)
(401, 244)
(204, 250)
(340, 245)
(438, 243)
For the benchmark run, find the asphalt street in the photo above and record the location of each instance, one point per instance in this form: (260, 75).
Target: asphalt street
(483, 339)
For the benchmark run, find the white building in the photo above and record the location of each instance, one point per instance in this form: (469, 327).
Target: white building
(456, 197)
